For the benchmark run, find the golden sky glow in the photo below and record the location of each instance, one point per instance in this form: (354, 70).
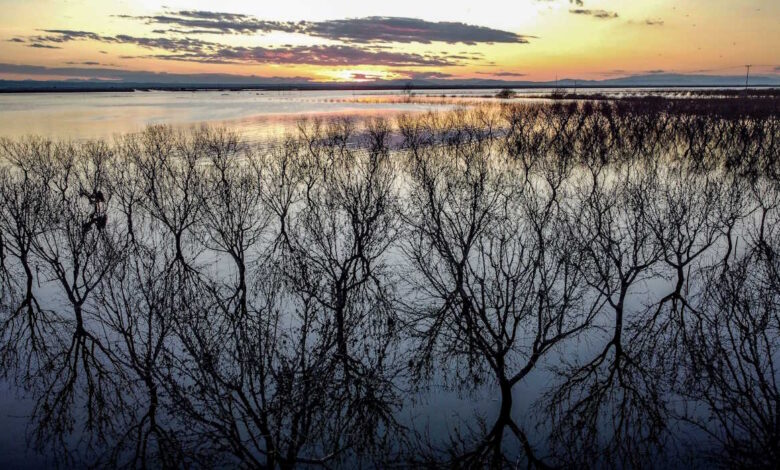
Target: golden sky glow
(549, 38)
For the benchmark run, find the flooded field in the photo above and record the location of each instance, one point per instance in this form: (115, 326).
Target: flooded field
(542, 284)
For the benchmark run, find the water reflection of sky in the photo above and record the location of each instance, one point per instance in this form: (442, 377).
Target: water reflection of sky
(256, 114)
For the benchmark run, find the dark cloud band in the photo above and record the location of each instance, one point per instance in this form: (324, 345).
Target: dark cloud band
(196, 50)
(373, 29)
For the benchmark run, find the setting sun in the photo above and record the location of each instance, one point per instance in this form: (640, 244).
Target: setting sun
(357, 75)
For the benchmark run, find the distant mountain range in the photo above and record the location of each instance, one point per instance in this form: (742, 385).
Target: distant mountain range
(155, 81)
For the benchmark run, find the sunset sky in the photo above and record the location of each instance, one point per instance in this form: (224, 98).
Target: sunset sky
(347, 40)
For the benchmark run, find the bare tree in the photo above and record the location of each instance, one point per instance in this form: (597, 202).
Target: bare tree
(495, 288)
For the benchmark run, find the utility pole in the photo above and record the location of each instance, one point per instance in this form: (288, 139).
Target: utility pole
(747, 75)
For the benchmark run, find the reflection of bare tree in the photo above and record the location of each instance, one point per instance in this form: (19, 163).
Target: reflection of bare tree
(614, 391)
(732, 376)
(137, 306)
(684, 222)
(25, 328)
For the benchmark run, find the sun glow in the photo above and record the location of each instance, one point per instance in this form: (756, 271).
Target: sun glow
(358, 75)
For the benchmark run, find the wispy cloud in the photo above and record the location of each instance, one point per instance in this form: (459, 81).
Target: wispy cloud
(422, 75)
(43, 46)
(503, 74)
(172, 44)
(88, 62)
(579, 3)
(132, 76)
(600, 14)
(216, 22)
(312, 55)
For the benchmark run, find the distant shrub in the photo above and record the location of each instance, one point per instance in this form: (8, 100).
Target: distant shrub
(506, 93)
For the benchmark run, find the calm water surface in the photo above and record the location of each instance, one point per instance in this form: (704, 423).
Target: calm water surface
(256, 114)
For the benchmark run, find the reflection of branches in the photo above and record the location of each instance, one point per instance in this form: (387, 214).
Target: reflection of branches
(139, 309)
(732, 369)
(27, 327)
(166, 166)
(684, 224)
(615, 391)
(341, 234)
